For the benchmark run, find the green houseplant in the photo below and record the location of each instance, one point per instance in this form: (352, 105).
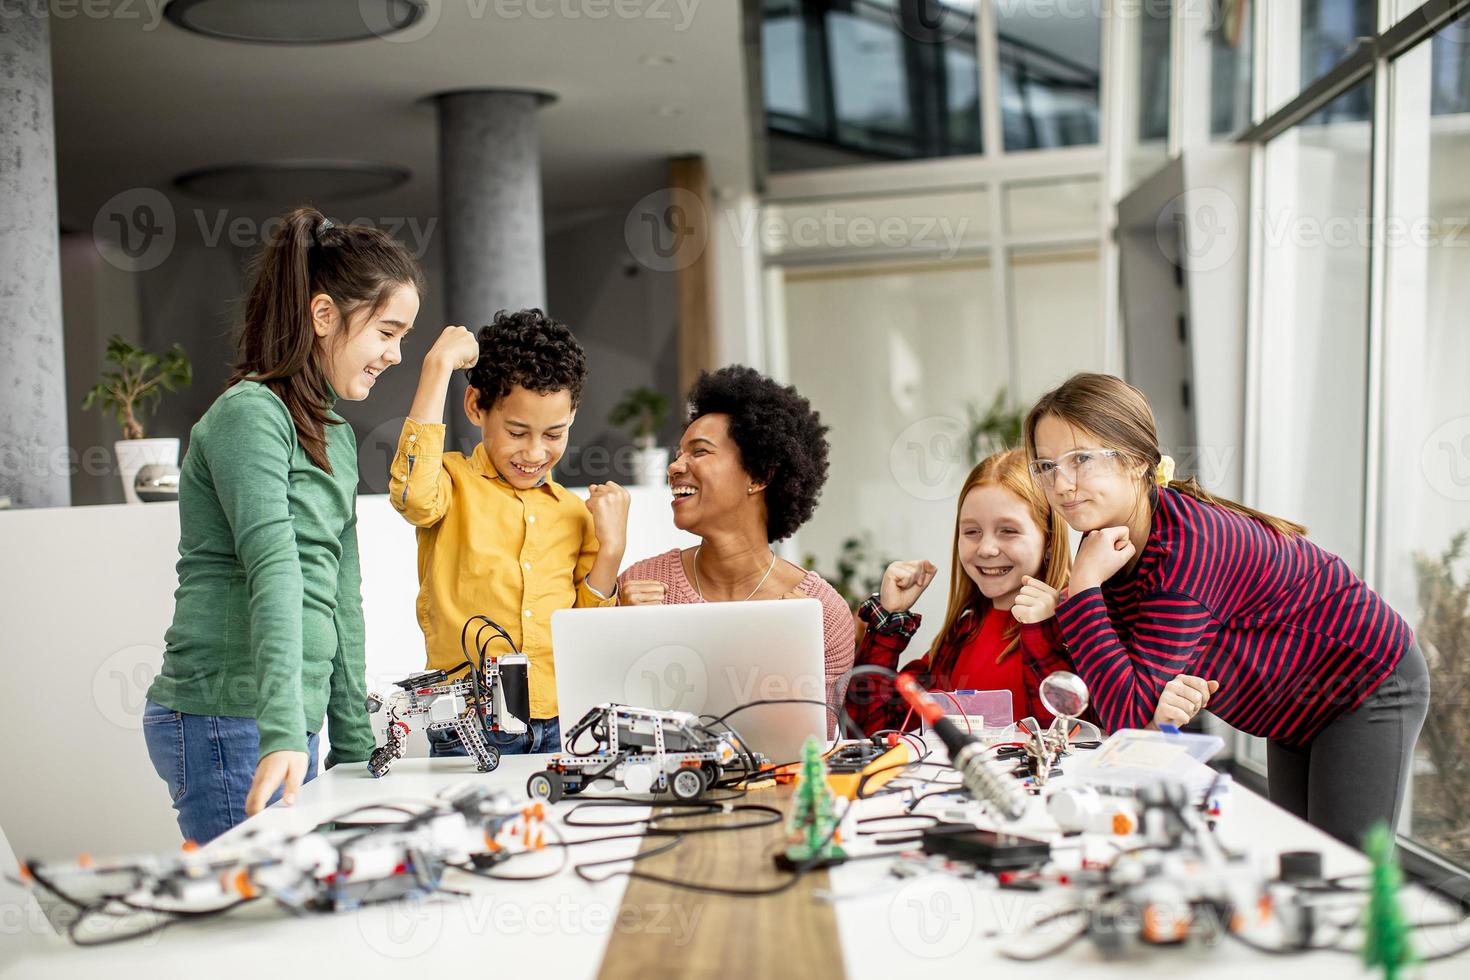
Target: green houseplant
(642, 411)
(130, 392)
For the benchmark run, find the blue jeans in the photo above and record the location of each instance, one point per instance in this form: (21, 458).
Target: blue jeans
(541, 735)
(208, 762)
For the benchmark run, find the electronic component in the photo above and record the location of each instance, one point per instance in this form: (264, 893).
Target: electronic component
(983, 778)
(644, 751)
(863, 764)
(987, 850)
(319, 871)
(494, 696)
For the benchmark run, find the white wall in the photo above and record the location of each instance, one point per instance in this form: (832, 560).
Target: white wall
(89, 595)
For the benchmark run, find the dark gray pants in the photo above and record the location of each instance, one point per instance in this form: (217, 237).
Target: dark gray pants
(1354, 772)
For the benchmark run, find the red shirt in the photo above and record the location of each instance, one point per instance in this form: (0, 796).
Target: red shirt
(964, 660)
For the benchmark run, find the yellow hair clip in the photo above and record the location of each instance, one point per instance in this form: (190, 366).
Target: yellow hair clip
(1164, 473)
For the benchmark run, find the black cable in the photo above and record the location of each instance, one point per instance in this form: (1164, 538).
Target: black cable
(841, 715)
(863, 782)
(933, 821)
(566, 858)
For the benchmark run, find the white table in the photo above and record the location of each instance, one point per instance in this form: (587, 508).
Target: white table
(560, 927)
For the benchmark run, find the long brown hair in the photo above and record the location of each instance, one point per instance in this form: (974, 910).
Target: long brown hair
(356, 265)
(1008, 471)
(1119, 415)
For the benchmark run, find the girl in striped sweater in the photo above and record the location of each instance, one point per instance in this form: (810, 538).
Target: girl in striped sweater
(1171, 579)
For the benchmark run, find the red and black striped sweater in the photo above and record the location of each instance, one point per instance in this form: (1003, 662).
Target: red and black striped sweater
(1292, 635)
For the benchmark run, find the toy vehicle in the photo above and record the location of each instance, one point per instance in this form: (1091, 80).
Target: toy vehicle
(643, 750)
(496, 699)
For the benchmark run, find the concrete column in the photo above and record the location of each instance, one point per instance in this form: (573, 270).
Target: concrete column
(34, 469)
(490, 194)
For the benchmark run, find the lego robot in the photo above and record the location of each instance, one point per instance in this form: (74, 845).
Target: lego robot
(327, 870)
(494, 698)
(643, 751)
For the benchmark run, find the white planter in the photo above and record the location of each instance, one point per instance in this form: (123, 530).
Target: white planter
(134, 454)
(650, 467)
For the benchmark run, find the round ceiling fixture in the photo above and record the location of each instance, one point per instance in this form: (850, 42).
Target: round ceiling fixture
(289, 182)
(293, 22)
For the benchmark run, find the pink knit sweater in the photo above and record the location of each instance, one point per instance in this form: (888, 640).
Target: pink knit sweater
(837, 623)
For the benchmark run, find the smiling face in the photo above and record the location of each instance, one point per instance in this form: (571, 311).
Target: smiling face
(999, 542)
(354, 354)
(1107, 495)
(708, 479)
(525, 433)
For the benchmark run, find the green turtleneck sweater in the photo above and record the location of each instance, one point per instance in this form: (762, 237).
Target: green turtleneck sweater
(268, 613)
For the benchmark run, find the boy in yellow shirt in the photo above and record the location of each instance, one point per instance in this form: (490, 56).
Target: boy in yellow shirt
(496, 535)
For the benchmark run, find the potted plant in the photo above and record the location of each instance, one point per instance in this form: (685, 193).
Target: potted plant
(992, 430)
(139, 384)
(642, 411)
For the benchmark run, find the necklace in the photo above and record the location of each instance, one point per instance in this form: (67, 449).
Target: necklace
(700, 592)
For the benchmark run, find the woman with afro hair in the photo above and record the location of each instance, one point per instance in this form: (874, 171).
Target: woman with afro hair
(749, 469)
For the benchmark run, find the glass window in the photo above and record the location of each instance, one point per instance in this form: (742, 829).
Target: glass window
(936, 225)
(919, 344)
(786, 71)
(1149, 23)
(1330, 30)
(869, 80)
(1049, 81)
(1306, 39)
(1057, 299)
(1314, 333)
(1425, 513)
(869, 83)
(1230, 65)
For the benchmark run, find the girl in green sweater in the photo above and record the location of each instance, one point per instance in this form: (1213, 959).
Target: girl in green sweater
(267, 636)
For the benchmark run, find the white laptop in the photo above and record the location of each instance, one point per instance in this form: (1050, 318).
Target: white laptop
(704, 658)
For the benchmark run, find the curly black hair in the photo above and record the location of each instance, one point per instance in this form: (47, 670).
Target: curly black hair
(782, 441)
(530, 349)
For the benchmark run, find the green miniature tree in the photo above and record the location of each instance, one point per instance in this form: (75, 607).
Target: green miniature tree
(1385, 933)
(812, 815)
(139, 382)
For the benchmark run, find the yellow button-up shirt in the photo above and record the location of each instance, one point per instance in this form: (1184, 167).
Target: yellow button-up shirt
(486, 548)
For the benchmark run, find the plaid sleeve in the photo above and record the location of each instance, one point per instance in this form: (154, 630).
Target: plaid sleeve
(880, 620)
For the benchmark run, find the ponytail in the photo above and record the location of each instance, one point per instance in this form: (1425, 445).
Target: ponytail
(1191, 488)
(357, 266)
